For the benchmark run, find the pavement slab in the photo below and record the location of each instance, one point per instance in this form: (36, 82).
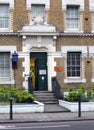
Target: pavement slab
(52, 113)
(54, 108)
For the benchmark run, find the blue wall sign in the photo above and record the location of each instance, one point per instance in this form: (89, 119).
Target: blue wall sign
(15, 58)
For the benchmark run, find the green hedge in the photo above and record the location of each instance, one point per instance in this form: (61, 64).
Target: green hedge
(19, 96)
(74, 94)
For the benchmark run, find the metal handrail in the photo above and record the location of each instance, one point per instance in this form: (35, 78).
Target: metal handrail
(56, 87)
(30, 86)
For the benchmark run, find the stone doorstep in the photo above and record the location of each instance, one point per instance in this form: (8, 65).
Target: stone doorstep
(54, 108)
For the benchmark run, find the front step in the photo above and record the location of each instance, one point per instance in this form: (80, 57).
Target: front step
(46, 97)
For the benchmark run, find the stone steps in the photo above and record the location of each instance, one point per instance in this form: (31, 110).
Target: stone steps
(46, 97)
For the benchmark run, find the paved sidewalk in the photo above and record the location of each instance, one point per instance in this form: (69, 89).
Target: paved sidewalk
(52, 113)
(41, 117)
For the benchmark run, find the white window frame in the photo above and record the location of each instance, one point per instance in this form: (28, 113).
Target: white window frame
(11, 7)
(4, 17)
(83, 50)
(4, 67)
(91, 54)
(72, 62)
(73, 2)
(39, 6)
(79, 3)
(69, 19)
(91, 8)
(8, 80)
(92, 22)
(45, 2)
(29, 4)
(91, 5)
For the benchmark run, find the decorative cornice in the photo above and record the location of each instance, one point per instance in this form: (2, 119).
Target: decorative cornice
(8, 34)
(59, 34)
(38, 33)
(38, 28)
(77, 34)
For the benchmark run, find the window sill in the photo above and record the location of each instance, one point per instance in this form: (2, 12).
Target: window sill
(7, 82)
(5, 30)
(74, 80)
(73, 30)
(92, 80)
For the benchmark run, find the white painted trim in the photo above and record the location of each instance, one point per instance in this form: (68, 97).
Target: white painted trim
(83, 50)
(73, 2)
(91, 50)
(92, 80)
(26, 65)
(10, 49)
(65, 49)
(5, 30)
(75, 80)
(11, 7)
(56, 54)
(32, 33)
(91, 5)
(7, 82)
(73, 30)
(10, 2)
(30, 2)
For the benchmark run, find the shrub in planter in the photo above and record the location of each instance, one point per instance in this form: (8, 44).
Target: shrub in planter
(91, 92)
(13, 92)
(6, 92)
(19, 96)
(73, 95)
(24, 97)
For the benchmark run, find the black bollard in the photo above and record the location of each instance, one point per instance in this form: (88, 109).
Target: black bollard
(11, 112)
(79, 107)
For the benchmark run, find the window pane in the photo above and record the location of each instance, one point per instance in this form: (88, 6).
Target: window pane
(93, 21)
(72, 17)
(4, 16)
(4, 64)
(73, 64)
(37, 10)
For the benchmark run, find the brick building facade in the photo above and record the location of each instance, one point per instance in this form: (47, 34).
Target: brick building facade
(52, 39)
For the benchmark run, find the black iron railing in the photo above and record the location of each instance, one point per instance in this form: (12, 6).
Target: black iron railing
(30, 86)
(56, 87)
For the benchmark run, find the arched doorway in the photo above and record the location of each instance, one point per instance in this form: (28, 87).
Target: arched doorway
(38, 69)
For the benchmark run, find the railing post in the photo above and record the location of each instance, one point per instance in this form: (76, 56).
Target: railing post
(30, 87)
(11, 106)
(79, 106)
